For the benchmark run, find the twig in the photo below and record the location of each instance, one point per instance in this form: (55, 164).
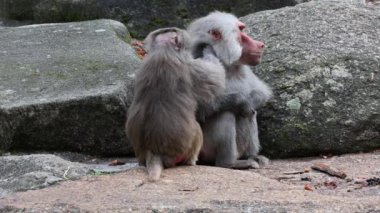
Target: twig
(294, 173)
(284, 178)
(65, 174)
(328, 170)
(189, 189)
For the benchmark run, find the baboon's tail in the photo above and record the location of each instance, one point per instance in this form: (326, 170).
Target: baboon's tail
(154, 166)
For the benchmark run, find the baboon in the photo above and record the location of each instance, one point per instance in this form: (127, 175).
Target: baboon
(161, 122)
(229, 123)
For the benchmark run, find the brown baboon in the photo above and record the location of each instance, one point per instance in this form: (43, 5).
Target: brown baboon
(169, 85)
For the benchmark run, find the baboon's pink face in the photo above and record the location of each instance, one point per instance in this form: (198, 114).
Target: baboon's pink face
(252, 49)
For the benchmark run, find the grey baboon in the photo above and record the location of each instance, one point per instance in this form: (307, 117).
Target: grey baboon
(229, 123)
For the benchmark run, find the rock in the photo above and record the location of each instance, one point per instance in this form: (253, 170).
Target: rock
(347, 1)
(66, 87)
(322, 59)
(141, 17)
(212, 189)
(358, 2)
(19, 173)
(35, 171)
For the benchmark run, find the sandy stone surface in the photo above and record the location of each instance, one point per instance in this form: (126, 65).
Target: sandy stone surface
(280, 187)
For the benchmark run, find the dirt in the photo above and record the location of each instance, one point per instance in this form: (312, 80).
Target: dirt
(283, 186)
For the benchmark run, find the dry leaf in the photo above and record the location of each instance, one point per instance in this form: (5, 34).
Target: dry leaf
(139, 48)
(308, 187)
(116, 163)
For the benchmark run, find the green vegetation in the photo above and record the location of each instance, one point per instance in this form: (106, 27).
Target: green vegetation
(135, 34)
(56, 74)
(182, 12)
(126, 19)
(97, 173)
(158, 22)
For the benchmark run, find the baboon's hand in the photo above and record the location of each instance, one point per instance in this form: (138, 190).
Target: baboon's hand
(209, 55)
(239, 104)
(245, 110)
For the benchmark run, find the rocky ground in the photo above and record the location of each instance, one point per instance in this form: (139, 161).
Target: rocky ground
(283, 186)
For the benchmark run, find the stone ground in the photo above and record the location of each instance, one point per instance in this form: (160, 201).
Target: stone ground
(280, 187)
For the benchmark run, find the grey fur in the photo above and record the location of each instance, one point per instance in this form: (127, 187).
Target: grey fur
(229, 123)
(161, 121)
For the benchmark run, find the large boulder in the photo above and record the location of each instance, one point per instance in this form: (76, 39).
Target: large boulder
(25, 172)
(35, 171)
(141, 17)
(66, 87)
(322, 59)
